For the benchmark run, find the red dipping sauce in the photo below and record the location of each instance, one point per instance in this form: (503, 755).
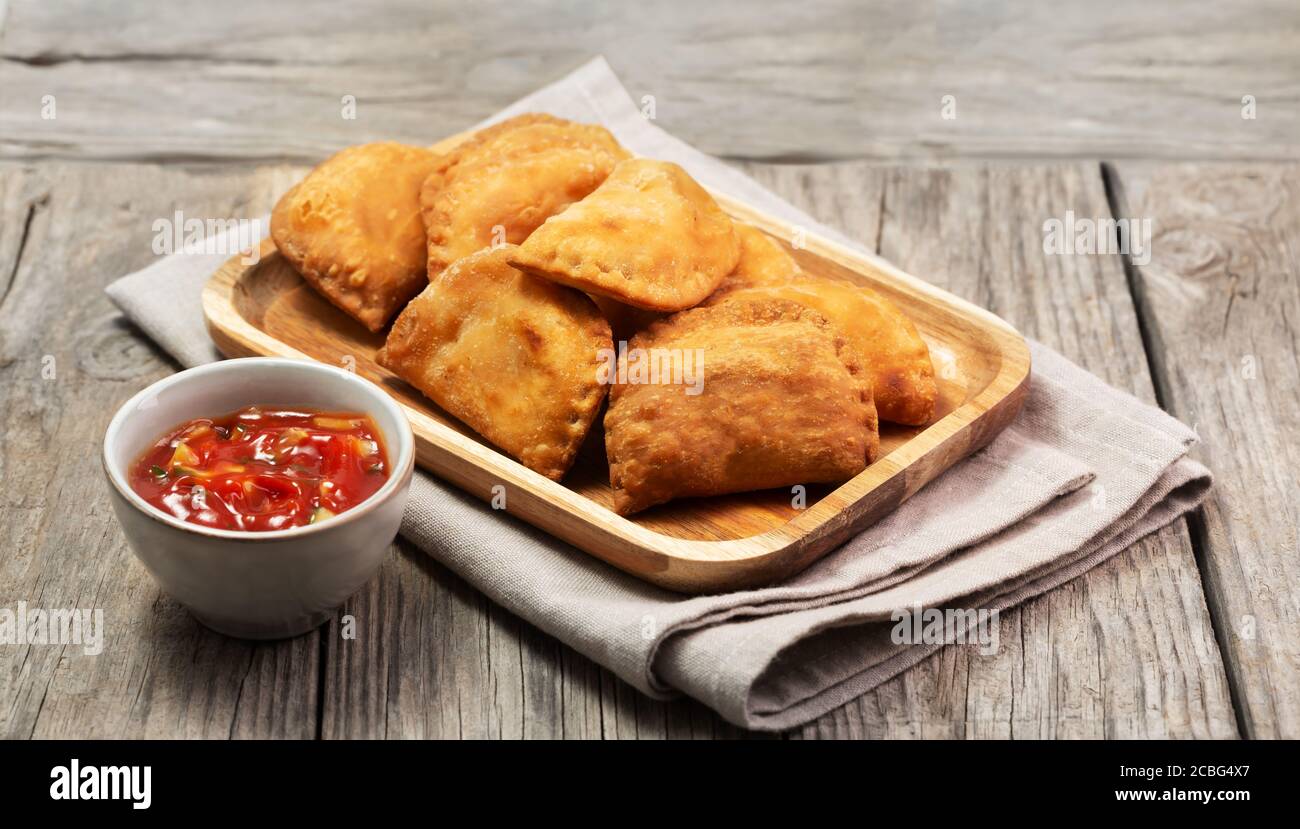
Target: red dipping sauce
(263, 468)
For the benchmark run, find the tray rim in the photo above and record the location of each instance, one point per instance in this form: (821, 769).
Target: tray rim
(698, 565)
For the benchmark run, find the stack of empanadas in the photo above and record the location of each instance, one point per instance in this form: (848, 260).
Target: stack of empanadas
(552, 267)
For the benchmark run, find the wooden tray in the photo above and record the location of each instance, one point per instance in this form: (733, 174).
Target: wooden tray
(694, 545)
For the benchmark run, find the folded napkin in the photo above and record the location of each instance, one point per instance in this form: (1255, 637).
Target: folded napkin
(1084, 472)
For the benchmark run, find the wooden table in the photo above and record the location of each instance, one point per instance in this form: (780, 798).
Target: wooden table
(1194, 631)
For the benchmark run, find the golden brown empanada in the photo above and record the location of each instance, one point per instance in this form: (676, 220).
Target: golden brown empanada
(895, 357)
(650, 237)
(352, 228)
(513, 356)
(784, 401)
(763, 261)
(498, 186)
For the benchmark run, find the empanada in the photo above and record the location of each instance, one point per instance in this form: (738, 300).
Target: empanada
(784, 401)
(514, 357)
(498, 186)
(763, 261)
(650, 237)
(352, 228)
(893, 354)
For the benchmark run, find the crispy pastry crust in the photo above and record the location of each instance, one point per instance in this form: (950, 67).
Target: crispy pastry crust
(896, 358)
(352, 228)
(508, 179)
(784, 401)
(649, 236)
(763, 261)
(514, 357)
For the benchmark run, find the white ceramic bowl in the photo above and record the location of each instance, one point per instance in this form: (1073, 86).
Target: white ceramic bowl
(258, 585)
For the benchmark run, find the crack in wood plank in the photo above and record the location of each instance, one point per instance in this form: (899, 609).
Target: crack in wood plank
(1156, 353)
(22, 248)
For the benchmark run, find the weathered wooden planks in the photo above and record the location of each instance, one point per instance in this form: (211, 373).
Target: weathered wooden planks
(840, 79)
(1221, 304)
(1125, 651)
(434, 659)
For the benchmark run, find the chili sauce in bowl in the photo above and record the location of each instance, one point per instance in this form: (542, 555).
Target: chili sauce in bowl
(263, 468)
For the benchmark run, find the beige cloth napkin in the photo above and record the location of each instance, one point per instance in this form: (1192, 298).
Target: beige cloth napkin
(1084, 472)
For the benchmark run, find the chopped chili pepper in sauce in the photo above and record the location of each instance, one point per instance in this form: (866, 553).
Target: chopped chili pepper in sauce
(263, 468)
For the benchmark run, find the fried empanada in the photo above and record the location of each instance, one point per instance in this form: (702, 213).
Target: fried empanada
(649, 237)
(763, 261)
(498, 186)
(895, 357)
(784, 400)
(513, 356)
(352, 228)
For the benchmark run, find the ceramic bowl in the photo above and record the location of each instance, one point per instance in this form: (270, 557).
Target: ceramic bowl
(258, 585)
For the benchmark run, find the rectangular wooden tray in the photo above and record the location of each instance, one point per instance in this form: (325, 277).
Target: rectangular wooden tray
(694, 545)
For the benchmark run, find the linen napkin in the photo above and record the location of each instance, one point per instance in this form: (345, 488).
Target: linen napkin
(1082, 473)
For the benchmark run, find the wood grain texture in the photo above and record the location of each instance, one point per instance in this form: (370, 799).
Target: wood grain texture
(1221, 303)
(434, 659)
(1128, 649)
(696, 545)
(836, 79)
